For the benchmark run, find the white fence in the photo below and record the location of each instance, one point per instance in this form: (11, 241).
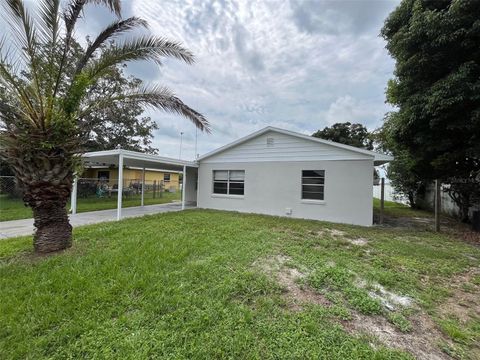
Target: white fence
(389, 193)
(448, 206)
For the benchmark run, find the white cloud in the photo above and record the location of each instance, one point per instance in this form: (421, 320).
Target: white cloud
(301, 65)
(348, 109)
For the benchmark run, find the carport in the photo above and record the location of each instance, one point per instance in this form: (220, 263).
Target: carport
(121, 158)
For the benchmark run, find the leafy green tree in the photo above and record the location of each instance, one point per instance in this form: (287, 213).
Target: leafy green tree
(400, 170)
(44, 127)
(119, 123)
(436, 89)
(347, 133)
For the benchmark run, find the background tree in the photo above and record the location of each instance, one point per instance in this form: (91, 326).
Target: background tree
(44, 126)
(436, 89)
(119, 123)
(347, 133)
(400, 171)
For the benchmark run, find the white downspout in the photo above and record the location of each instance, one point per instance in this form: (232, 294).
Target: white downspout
(73, 202)
(120, 186)
(184, 181)
(143, 185)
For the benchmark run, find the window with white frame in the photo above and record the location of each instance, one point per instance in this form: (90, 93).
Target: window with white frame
(229, 182)
(313, 184)
(166, 177)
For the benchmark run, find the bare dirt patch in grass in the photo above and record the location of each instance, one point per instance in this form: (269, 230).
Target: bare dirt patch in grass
(297, 295)
(336, 233)
(421, 342)
(389, 300)
(339, 234)
(448, 225)
(359, 241)
(464, 303)
(424, 339)
(328, 232)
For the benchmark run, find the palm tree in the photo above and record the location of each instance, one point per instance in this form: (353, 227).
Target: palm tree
(43, 112)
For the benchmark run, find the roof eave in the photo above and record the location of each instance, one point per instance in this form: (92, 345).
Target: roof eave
(380, 158)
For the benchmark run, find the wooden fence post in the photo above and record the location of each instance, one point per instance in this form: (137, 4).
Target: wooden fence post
(382, 199)
(437, 205)
(154, 187)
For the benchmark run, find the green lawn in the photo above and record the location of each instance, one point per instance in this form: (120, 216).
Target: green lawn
(204, 284)
(13, 209)
(395, 209)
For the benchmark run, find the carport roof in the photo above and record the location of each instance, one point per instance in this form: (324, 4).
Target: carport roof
(135, 159)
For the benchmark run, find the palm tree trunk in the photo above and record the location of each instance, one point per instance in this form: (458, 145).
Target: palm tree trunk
(46, 178)
(53, 230)
(48, 202)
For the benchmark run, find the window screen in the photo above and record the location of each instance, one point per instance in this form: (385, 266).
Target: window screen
(166, 177)
(231, 182)
(313, 184)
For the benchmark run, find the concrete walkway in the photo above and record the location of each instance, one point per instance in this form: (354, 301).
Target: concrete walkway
(24, 227)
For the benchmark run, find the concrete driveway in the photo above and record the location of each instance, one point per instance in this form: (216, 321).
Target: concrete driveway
(24, 227)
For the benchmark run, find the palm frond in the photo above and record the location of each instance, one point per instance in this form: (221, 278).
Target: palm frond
(114, 6)
(11, 83)
(116, 28)
(75, 7)
(142, 48)
(70, 17)
(156, 97)
(49, 20)
(10, 114)
(22, 24)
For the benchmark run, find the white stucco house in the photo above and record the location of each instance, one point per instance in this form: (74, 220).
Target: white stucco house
(279, 172)
(272, 171)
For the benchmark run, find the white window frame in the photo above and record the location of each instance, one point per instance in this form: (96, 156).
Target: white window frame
(214, 194)
(313, 201)
(169, 177)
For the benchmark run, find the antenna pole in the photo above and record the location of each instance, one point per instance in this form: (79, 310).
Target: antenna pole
(196, 136)
(181, 139)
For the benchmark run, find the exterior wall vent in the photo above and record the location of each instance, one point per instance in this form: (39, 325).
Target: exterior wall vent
(270, 142)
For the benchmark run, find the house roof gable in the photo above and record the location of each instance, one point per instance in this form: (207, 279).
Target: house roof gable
(377, 157)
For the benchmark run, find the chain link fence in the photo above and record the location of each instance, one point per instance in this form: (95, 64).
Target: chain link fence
(103, 191)
(9, 188)
(92, 194)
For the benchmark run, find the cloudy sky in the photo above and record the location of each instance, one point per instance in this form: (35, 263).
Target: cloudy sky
(298, 65)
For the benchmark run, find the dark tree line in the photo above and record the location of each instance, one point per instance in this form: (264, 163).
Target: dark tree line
(435, 133)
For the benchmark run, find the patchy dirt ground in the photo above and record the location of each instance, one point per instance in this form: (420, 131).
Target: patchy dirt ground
(422, 341)
(464, 302)
(288, 277)
(447, 225)
(388, 299)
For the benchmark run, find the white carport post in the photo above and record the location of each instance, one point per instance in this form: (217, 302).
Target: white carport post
(73, 197)
(143, 185)
(184, 181)
(120, 186)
